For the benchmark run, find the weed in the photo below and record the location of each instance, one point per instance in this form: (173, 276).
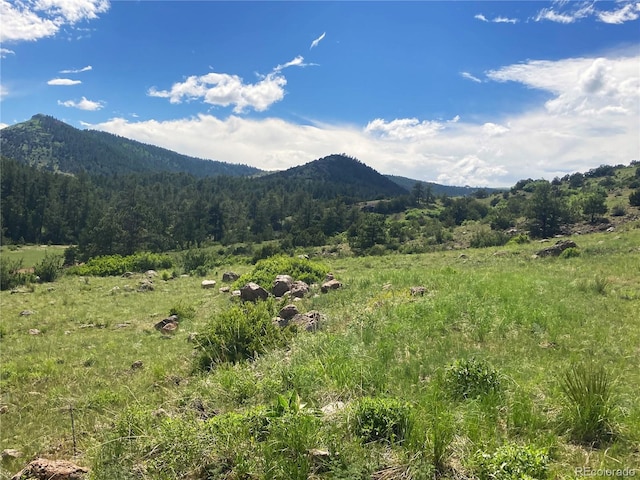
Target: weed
(570, 252)
(183, 311)
(50, 268)
(513, 462)
(589, 413)
(470, 378)
(386, 419)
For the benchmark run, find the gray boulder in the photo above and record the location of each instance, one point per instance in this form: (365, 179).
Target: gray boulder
(281, 285)
(253, 292)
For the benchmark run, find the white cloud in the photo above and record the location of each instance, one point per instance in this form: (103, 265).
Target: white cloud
(83, 104)
(505, 20)
(26, 20)
(480, 17)
(79, 70)
(3, 91)
(3, 125)
(570, 12)
(317, 41)
(222, 89)
(629, 12)
(591, 117)
(5, 51)
(63, 81)
(471, 77)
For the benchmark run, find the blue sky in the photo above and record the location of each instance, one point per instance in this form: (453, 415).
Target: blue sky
(477, 93)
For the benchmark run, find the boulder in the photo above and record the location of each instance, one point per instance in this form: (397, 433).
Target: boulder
(310, 321)
(230, 277)
(299, 289)
(253, 292)
(11, 453)
(330, 285)
(224, 290)
(146, 286)
(26, 313)
(34, 331)
(166, 321)
(328, 277)
(137, 365)
(415, 291)
(288, 312)
(208, 283)
(44, 469)
(281, 285)
(555, 250)
(151, 273)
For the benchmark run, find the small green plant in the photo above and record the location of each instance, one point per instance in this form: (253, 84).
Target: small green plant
(570, 252)
(471, 378)
(520, 239)
(11, 275)
(194, 259)
(50, 268)
(488, 238)
(265, 271)
(513, 462)
(112, 265)
(589, 412)
(241, 333)
(386, 419)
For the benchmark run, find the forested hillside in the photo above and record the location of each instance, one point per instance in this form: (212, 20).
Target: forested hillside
(49, 144)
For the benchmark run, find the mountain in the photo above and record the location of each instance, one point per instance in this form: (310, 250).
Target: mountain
(438, 189)
(50, 144)
(338, 175)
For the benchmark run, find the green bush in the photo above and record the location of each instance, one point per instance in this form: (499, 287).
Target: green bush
(241, 333)
(112, 265)
(386, 419)
(634, 198)
(488, 238)
(195, 259)
(471, 378)
(10, 276)
(589, 412)
(183, 311)
(50, 268)
(570, 252)
(520, 239)
(513, 462)
(265, 271)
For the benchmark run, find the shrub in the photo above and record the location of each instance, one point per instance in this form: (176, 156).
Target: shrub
(265, 271)
(10, 275)
(618, 210)
(513, 462)
(570, 252)
(194, 259)
(183, 311)
(589, 412)
(634, 198)
(49, 268)
(520, 239)
(112, 265)
(471, 378)
(386, 419)
(241, 333)
(488, 238)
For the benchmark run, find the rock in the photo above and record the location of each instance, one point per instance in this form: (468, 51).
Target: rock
(4, 409)
(161, 412)
(288, 312)
(328, 277)
(169, 328)
(253, 292)
(332, 408)
(26, 313)
(557, 249)
(151, 273)
(146, 286)
(230, 277)
(236, 293)
(299, 289)
(166, 321)
(281, 285)
(310, 321)
(462, 255)
(415, 291)
(224, 290)
(34, 331)
(43, 469)
(611, 229)
(122, 325)
(127, 275)
(11, 453)
(137, 365)
(303, 256)
(330, 285)
(500, 253)
(191, 338)
(208, 283)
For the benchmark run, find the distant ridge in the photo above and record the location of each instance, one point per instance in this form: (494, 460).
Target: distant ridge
(439, 189)
(50, 144)
(339, 174)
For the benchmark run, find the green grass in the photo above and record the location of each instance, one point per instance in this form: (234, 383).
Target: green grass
(530, 319)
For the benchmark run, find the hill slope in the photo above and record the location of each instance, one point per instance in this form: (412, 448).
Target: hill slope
(339, 175)
(50, 144)
(437, 188)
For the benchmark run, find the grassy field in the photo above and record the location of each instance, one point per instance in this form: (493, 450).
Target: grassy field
(472, 379)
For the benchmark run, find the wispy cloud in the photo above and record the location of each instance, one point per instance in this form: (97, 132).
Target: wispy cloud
(4, 91)
(63, 81)
(317, 40)
(79, 70)
(222, 89)
(29, 20)
(570, 12)
(471, 77)
(83, 104)
(498, 19)
(5, 51)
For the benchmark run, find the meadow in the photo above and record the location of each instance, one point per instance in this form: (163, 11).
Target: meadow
(506, 367)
